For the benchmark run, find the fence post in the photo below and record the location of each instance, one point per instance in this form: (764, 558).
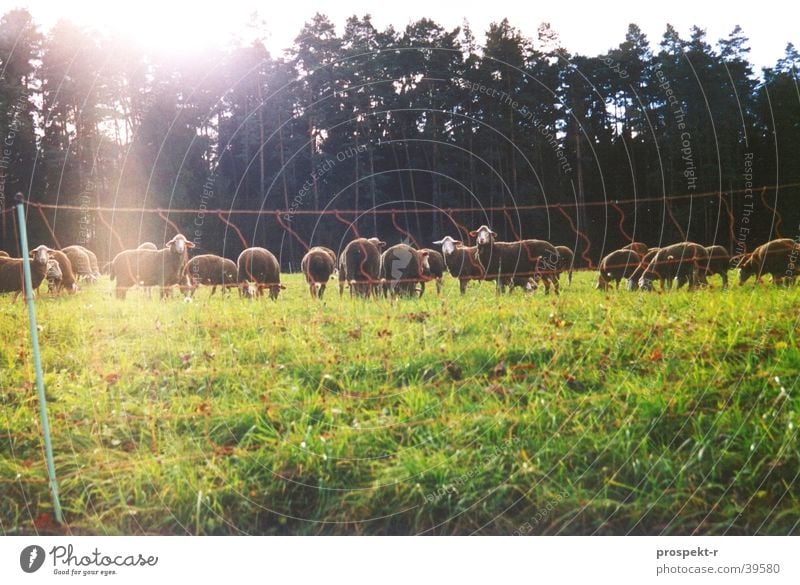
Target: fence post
(48, 447)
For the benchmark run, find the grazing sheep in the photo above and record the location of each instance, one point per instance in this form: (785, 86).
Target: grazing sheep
(633, 279)
(77, 265)
(462, 261)
(318, 265)
(164, 268)
(566, 260)
(401, 271)
(638, 247)
(12, 278)
(210, 270)
(514, 263)
(682, 261)
(147, 246)
(432, 269)
(718, 263)
(360, 266)
(260, 266)
(616, 266)
(68, 280)
(777, 257)
(53, 276)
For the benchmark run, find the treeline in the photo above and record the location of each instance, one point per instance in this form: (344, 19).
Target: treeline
(419, 118)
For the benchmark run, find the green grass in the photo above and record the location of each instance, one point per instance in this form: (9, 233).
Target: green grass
(585, 413)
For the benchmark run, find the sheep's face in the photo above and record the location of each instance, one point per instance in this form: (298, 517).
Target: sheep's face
(426, 265)
(483, 235)
(745, 270)
(53, 271)
(448, 245)
(179, 244)
(379, 243)
(40, 255)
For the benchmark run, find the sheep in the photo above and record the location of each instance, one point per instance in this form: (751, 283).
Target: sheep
(462, 261)
(12, 278)
(210, 270)
(318, 265)
(718, 263)
(638, 247)
(147, 246)
(401, 271)
(682, 261)
(68, 280)
(633, 279)
(776, 257)
(75, 253)
(360, 265)
(566, 260)
(164, 268)
(514, 263)
(432, 269)
(54, 276)
(80, 261)
(616, 266)
(259, 265)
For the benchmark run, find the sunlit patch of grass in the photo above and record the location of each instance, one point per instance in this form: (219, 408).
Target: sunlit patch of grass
(590, 412)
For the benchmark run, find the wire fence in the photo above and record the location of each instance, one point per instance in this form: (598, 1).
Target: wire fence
(738, 219)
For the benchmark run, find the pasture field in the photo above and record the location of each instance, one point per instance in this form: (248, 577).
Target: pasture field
(587, 413)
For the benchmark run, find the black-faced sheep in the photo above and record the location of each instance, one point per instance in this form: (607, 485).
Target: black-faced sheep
(12, 278)
(164, 268)
(68, 280)
(76, 255)
(432, 269)
(259, 265)
(780, 258)
(638, 247)
(515, 263)
(360, 266)
(401, 271)
(462, 261)
(616, 266)
(211, 270)
(318, 266)
(682, 261)
(718, 263)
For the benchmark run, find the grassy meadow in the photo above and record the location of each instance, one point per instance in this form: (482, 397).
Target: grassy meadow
(586, 413)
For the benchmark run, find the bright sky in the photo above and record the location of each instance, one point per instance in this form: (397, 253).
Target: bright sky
(589, 28)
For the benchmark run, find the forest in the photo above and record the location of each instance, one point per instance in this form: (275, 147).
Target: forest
(406, 134)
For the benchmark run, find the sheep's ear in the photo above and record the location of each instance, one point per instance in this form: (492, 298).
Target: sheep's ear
(493, 233)
(473, 233)
(438, 242)
(190, 244)
(168, 244)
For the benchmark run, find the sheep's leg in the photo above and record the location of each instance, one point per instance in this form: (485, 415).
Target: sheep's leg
(120, 292)
(463, 285)
(724, 276)
(439, 285)
(321, 290)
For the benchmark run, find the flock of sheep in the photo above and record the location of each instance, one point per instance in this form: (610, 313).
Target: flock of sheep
(368, 268)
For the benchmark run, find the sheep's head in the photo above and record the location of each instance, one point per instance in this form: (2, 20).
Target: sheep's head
(179, 244)
(378, 242)
(448, 245)
(426, 265)
(53, 271)
(41, 254)
(746, 269)
(483, 235)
